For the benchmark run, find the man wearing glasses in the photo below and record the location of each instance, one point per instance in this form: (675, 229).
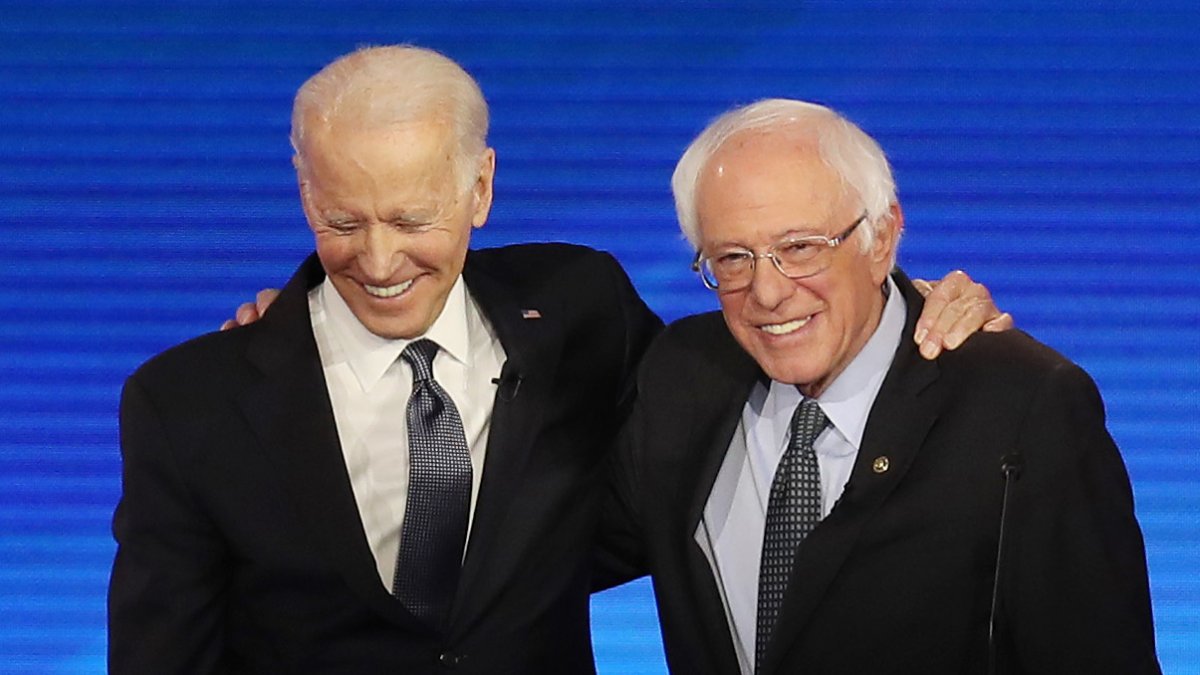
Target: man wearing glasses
(397, 469)
(812, 496)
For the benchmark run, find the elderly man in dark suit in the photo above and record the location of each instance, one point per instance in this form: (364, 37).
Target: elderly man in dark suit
(399, 378)
(812, 496)
(396, 468)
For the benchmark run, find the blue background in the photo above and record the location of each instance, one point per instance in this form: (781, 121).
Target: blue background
(1050, 148)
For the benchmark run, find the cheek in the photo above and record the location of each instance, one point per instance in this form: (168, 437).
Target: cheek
(430, 257)
(743, 333)
(731, 307)
(334, 252)
(446, 251)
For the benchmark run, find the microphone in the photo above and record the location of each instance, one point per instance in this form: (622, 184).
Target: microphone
(508, 384)
(1010, 468)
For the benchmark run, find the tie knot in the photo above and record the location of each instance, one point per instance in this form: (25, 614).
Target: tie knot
(419, 356)
(808, 422)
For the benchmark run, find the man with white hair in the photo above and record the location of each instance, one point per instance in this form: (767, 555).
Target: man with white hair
(396, 469)
(812, 496)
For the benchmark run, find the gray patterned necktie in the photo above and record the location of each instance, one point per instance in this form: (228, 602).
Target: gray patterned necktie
(793, 510)
(439, 494)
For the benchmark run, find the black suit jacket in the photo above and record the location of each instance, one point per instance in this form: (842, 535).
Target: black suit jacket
(240, 544)
(898, 578)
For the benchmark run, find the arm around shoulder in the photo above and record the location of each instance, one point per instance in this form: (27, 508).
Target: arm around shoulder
(620, 553)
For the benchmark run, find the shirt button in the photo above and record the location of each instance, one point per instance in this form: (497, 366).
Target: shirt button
(450, 659)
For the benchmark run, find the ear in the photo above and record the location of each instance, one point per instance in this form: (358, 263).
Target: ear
(887, 237)
(483, 188)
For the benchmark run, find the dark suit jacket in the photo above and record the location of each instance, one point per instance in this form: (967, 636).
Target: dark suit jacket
(240, 544)
(898, 578)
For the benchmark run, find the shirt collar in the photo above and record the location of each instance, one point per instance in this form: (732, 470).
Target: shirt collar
(848, 399)
(369, 356)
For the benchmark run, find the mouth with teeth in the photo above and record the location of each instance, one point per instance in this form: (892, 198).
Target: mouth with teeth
(387, 291)
(786, 327)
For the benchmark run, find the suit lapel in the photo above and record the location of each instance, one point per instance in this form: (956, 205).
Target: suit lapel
(907, 405)
(290, 412)
(533, 343)
(720, 398)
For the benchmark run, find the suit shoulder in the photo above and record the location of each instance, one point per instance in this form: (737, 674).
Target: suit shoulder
(1012, 356)
(213, 358)
(541, 258)
(200, 358)
(695, 331)
(699, 341)
(582, 279)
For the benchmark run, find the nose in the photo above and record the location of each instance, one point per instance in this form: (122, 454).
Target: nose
(380, 254)
(768, 286)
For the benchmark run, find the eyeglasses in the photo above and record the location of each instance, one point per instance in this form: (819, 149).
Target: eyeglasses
(795, 258)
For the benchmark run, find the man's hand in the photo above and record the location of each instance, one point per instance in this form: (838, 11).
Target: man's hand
(250, 312)
(955, 307)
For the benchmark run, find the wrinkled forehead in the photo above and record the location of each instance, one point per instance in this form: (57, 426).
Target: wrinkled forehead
(398, 163)
(778, 182)
(752, 152)
(359, 120)
(341, 140)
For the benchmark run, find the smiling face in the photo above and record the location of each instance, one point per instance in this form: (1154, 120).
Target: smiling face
(758, 188)
(391, 219)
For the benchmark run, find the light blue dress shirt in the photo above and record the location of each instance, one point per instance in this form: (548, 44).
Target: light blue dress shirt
(731, 530)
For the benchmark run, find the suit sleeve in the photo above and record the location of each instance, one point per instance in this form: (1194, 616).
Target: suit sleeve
(640, 326)
(621, 553)
(166, 595)
(616, 556)
(1076, 596)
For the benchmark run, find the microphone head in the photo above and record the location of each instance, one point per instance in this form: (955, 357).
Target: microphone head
(1011, 464)
(509, 384)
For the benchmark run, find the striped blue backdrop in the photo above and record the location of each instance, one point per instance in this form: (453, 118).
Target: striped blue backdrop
(1050, 148)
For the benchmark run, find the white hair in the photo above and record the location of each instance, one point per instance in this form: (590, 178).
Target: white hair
(853, 155)
(376, 87)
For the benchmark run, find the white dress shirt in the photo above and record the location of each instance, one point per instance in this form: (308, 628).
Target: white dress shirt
(369, 386)
(731, 530)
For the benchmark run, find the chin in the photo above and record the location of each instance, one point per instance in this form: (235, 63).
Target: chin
(791, 376)
(391, 327)
(393, 332)
(790, 369)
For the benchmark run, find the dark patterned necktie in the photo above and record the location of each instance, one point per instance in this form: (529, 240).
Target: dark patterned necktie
(793, 510)
(439, 494)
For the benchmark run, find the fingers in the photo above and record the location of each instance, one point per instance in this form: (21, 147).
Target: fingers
(923, 287)
(264, 298)
(1000, 323)
(967, 316)
(246, 313)
(933, 322)
(249, 312)
(956, 308)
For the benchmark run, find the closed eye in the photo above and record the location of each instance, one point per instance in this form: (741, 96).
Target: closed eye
(343, 227)
(413, 226)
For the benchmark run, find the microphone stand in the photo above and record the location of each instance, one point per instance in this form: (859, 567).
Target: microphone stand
(1010, 468)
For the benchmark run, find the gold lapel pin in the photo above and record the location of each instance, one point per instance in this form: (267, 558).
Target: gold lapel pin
(881, 464)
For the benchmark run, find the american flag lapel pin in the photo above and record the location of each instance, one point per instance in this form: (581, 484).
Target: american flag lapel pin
(530, 314)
